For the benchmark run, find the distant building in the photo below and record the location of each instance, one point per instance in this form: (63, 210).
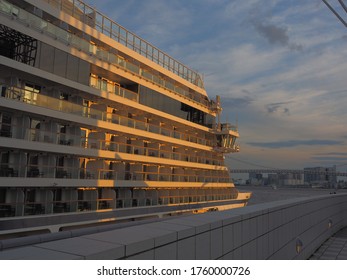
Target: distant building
(320, 175)
(256, 179)
(273, 179)
(290, 179)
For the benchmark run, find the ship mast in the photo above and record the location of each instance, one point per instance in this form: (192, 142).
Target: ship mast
(219, 111)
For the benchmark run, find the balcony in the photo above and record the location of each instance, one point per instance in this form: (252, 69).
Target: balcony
(118, 173)
(33, 98)
(106, 142)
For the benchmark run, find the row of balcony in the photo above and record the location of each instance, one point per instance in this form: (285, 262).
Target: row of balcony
(91, 49)
(112, 87)
(141, 198)
(45, 101)
(54, 207)
(139, 147)
(50, 171)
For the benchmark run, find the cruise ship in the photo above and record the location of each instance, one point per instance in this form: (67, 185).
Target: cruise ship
(99, 126)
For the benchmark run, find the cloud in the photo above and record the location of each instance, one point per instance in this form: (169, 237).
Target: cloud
(333, 159)
(276, 35)
(236, 102)
(273, 33)
(294, 143)
(278, 108)
(333, 154)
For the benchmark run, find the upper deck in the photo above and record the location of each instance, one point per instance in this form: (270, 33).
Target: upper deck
(115, 31)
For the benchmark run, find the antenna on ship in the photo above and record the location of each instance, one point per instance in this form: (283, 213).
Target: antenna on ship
(219, 110)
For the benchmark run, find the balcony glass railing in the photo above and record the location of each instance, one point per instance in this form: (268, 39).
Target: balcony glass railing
(41, 100)
(112, 88)
(82, 45)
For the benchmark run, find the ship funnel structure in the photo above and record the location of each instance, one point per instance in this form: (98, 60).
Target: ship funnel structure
(226, 133)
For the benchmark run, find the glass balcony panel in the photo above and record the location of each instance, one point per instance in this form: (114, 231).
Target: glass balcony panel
(7, 210)
(165, 132)
(164, 154)
(147, 75)
(98, 21)
(123, 121)
(107, 27)
(122, 148)
(115, 31)
(140, 125)
(143, 49)
(156, 55)
(61, 207)
(112, 58)
(156, 79)
(123, 36)
(75, 41)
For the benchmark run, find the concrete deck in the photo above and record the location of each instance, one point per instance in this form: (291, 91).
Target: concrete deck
(335, 248)
(313, 225)
(277, 230)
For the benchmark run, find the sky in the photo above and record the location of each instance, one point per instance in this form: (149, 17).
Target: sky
(279, 66)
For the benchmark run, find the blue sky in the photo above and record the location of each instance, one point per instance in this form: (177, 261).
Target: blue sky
(279, 66)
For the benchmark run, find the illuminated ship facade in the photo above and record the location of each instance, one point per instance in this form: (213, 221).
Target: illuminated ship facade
(98, 125)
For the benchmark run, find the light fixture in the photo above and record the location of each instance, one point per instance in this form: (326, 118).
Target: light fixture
(298, 245)
(330, 223)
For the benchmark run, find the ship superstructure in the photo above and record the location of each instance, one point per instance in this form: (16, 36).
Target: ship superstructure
(98, 125)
